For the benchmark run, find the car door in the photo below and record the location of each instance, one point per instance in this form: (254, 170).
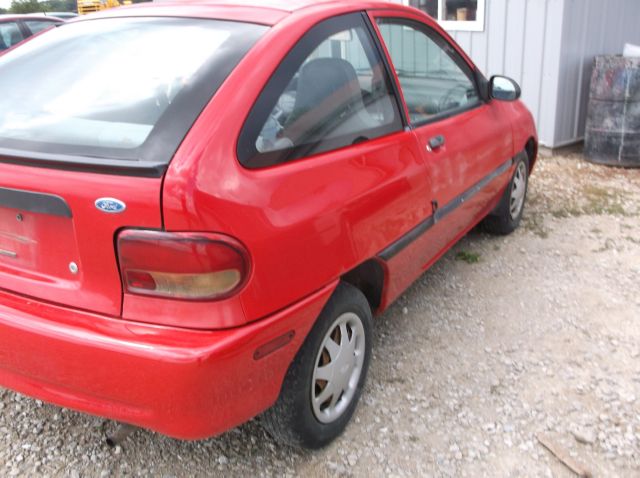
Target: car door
(10, 34)
(466, 142)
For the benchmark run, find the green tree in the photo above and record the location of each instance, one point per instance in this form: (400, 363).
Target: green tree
(25, 6)
(61, 5)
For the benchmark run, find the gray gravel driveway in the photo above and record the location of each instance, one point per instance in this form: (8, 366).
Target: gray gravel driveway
(504, 340)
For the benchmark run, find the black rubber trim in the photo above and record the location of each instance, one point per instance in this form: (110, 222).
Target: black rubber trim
(85, 164)
(406, 240)
(34, 202)
(469, 193)
(394, 249)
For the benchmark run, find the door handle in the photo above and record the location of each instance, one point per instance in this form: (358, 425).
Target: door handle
(436, 142)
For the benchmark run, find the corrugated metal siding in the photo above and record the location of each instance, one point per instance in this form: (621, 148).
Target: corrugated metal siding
(522, 40)
(548, 46)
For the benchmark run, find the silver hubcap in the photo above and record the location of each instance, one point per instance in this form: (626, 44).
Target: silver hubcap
(518, 191)
(338, 368)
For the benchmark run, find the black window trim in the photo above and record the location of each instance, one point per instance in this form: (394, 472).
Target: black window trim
(246, 151)
(26, 33)
(470, 72)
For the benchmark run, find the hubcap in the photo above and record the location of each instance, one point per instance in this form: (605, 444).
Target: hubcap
(338, 367)
(518, 191)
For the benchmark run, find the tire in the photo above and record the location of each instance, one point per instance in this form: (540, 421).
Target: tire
(507, 216)
(305, 415)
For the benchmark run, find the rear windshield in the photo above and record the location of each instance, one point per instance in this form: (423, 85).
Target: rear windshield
(121, 88)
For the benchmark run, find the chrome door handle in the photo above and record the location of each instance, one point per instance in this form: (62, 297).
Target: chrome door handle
(436, 142)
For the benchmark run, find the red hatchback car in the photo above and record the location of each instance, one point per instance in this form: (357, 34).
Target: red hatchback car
(203, 203)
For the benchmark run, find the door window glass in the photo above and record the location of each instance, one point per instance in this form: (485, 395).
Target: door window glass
(10, 35)
(435, 80)
(331, 91)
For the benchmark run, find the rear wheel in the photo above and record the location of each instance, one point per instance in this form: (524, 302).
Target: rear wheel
(324, 383)
(507, 216)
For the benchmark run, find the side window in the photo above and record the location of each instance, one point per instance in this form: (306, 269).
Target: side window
(435, 80)
(36, 26)
(331, 91)
(10, 35)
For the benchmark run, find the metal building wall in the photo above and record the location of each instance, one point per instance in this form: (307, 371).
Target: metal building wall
(548, 46)
(522, 39)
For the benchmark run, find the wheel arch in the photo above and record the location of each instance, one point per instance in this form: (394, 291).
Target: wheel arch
(531, 148)
(369, 278)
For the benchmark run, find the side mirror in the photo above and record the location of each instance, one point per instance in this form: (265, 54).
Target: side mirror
(504, 89)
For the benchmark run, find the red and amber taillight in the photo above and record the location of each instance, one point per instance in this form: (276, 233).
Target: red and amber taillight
(181, 265)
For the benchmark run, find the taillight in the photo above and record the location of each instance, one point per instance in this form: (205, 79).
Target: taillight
(187, 266)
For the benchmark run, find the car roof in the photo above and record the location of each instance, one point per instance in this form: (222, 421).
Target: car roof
(267, 12)
(283, 5)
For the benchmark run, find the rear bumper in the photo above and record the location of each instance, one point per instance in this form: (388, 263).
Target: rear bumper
(182, 383)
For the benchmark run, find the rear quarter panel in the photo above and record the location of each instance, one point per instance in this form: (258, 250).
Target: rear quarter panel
(304, 223)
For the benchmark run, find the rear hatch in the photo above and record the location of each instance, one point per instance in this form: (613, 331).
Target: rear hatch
(56, 245)
(91, 114)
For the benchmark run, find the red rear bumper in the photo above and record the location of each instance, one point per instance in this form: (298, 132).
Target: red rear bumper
(182, 383)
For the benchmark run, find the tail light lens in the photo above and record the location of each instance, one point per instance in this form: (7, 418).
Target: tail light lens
(187, 266)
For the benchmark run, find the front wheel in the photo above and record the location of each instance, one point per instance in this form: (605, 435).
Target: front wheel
(323, 385)
(507, 216)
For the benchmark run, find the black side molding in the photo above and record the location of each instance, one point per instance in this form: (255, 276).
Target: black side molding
(397, 247)
(440, 213)
(34, 202)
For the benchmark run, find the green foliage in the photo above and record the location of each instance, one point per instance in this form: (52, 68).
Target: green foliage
(468, 257)
(25, 6)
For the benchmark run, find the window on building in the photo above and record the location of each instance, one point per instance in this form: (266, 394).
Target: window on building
(454, 14)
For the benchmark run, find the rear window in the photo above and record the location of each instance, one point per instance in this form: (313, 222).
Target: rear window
(122, 88)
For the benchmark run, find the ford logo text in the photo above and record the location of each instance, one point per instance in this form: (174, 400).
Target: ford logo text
(110, 205)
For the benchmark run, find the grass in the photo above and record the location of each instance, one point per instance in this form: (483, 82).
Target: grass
(601, 201)
(468, 257)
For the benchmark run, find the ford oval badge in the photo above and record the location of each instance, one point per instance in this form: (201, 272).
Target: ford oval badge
(110, 205)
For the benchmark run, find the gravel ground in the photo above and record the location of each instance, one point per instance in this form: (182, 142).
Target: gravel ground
(504, 339)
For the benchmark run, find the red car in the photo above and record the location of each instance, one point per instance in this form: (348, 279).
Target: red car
(202, 204)
(14, 29)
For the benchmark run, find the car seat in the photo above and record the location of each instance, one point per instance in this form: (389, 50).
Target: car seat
(329, 102)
